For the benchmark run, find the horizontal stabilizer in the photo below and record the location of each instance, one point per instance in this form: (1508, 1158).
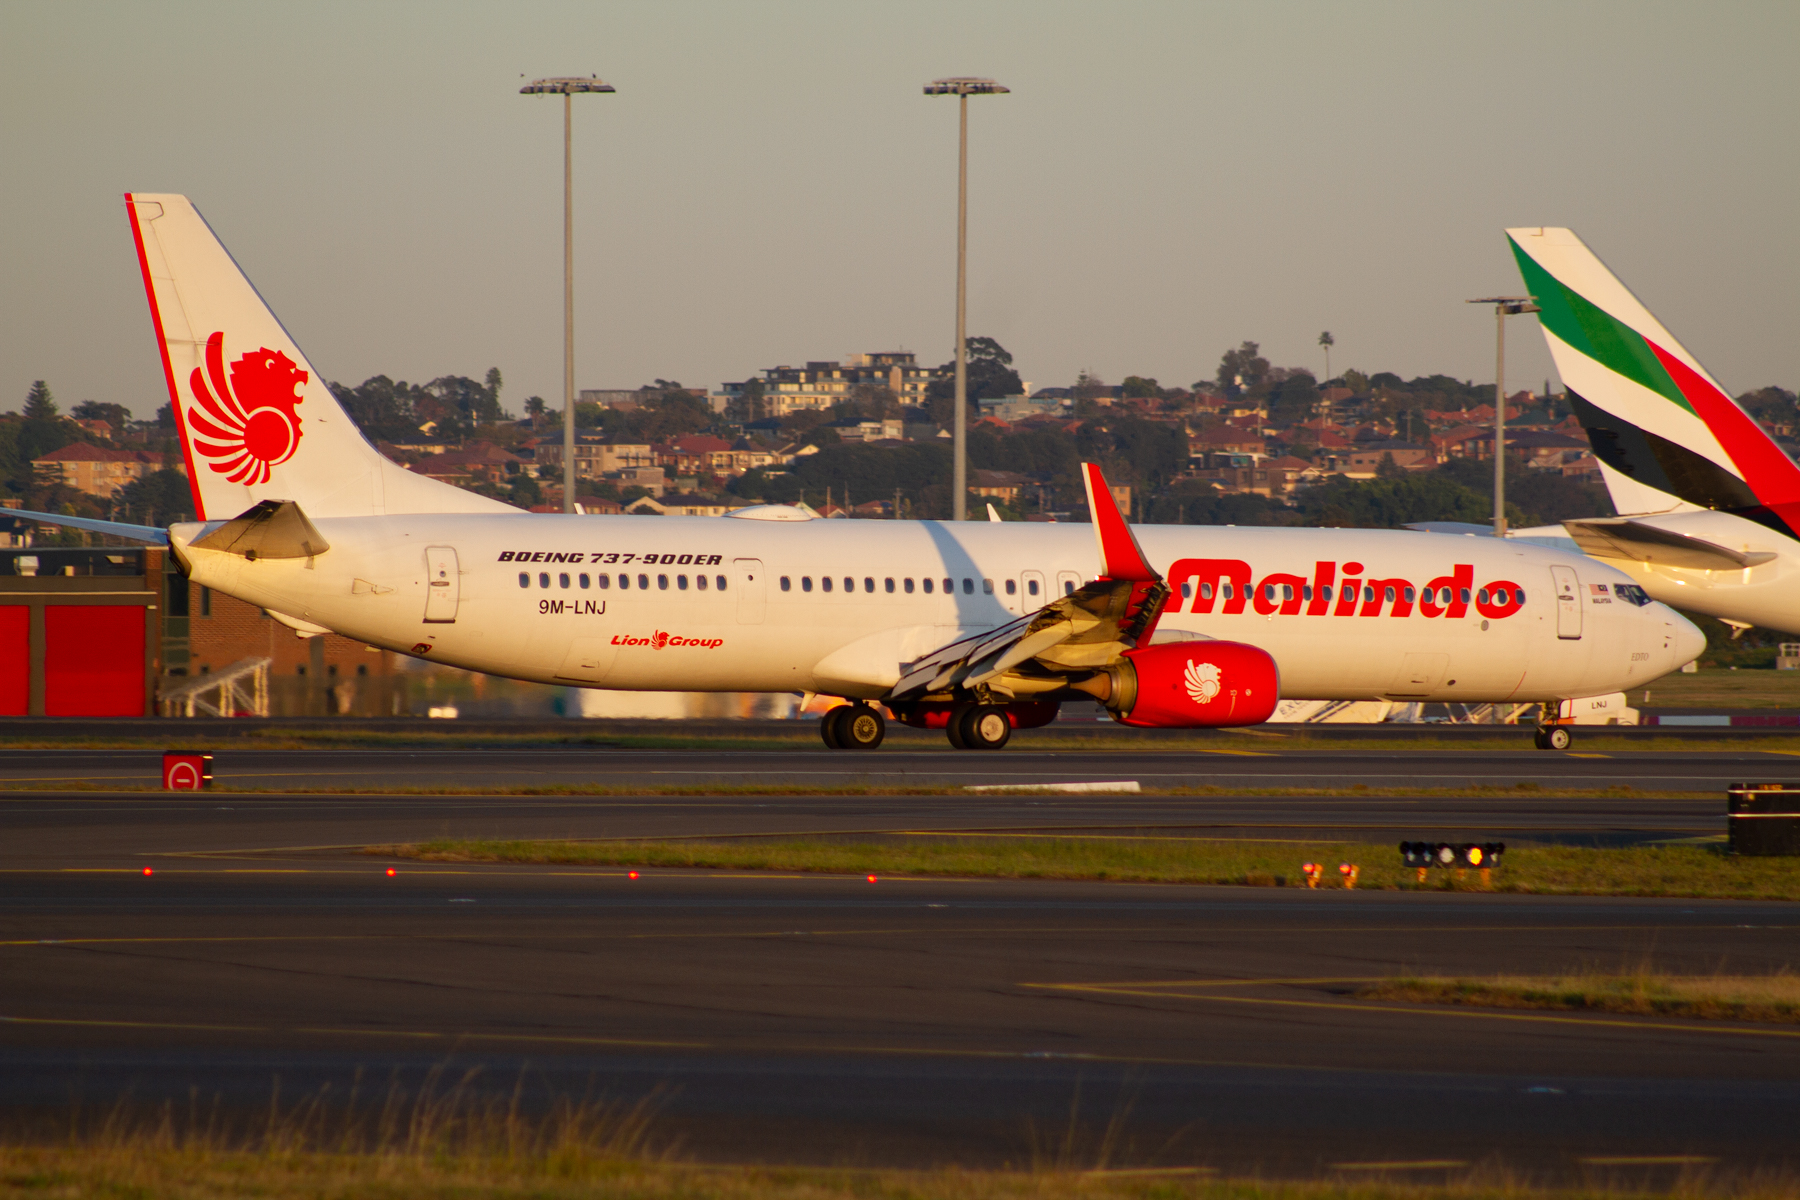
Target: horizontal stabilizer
(1633, 541)
(137, 533)
(273, 529)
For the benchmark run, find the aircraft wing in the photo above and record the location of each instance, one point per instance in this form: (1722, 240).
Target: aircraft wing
(137, 533)
(1072, 635)
(1634, 541)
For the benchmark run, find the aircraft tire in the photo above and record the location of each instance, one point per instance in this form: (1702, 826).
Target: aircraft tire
(986, 727)
(1553, 737)
(953, 728)
(829, 726)
(862, 727)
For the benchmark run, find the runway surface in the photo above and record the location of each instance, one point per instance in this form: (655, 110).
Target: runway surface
(825, 1019)
(579, 767)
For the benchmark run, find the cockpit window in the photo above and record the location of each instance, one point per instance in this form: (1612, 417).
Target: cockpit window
(1631, 593)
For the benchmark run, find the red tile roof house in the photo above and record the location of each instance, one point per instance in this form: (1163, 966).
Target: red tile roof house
(1226, 439)
(483, 461)
(96, 470)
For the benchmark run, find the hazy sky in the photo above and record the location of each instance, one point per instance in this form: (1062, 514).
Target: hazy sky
(769, 186)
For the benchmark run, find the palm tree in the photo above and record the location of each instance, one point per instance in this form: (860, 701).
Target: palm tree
(1327, 341)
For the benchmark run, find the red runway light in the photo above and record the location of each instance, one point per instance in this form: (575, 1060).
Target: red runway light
(390, 870)
(871, 879)
(147, 871)
(631, 875)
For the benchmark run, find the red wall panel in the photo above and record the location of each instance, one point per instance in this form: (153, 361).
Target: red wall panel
(15, 660)
(94, 660)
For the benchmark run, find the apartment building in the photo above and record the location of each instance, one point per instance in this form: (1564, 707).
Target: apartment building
(96, 470)
(819, 385)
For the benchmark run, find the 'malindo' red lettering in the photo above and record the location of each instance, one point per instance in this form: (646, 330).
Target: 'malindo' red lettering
(1228, 585)
(660, 640)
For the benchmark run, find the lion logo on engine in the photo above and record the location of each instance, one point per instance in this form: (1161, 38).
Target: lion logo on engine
(1202, 681)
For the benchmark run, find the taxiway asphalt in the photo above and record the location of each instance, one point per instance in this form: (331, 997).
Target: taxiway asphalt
(574, 767)
(829, 1019)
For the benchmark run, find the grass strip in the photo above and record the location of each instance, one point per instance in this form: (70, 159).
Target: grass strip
(1767, 998)
(178, 1173)
(1687, 871)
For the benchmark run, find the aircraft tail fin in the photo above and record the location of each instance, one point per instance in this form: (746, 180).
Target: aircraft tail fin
(1667, 435)
(255, 420)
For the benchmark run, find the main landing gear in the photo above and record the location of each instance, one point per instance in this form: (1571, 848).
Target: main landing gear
(979, 727)
(853, 727)
(1553, 737)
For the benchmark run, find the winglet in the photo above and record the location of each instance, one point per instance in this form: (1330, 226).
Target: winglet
(1120, 555)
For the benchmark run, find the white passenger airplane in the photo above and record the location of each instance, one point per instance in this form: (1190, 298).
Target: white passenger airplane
(977, 628)
(1711, 504)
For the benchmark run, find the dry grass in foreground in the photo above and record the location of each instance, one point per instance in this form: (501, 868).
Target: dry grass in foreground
(1688, 871)
(1768, 998)
(178, 1173)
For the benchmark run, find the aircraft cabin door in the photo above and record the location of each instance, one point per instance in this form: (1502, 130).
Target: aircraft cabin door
(751, 597)
(1568, 602)
(442, 584)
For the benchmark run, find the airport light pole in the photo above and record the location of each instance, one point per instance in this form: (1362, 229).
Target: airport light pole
(962, 87)
(1504, 307)
(568, 87)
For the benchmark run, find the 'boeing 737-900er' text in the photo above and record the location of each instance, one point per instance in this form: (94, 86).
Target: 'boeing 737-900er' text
(976, 628)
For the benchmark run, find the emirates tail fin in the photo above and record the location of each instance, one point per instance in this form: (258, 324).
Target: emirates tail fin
(1667, 435)
(256, 422)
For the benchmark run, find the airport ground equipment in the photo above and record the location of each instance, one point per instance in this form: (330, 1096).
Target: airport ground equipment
(1763, 819)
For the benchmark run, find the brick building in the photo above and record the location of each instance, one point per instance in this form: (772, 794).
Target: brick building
(324, 675)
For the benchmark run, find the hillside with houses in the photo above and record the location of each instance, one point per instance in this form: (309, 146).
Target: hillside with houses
(867, 437)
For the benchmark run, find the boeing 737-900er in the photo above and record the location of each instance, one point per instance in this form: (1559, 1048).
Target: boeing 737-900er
(976, 628)
(1710, 504)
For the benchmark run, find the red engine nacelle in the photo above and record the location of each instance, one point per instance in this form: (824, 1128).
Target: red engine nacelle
(1187, 684)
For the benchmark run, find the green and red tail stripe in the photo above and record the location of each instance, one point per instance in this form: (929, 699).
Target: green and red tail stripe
(1651, 413)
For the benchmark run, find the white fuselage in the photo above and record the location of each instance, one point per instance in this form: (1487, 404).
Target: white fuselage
(540, 597)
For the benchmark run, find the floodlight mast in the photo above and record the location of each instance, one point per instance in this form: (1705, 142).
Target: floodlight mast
(567, 87)
(1504, 307)
(962, 87)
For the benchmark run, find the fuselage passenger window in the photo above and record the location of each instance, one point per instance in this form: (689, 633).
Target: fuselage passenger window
(1031, 587)
(543, 579)
(719, 582)
(968, 586)
(787, 585)
(908, 584)
(524, 579)
(1012, 587)
(825, 582)
(806, 583)
(890, 586)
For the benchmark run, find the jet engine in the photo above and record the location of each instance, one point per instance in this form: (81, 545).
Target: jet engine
(1189, 684)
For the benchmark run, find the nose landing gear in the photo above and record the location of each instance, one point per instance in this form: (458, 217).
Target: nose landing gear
(1553, 737)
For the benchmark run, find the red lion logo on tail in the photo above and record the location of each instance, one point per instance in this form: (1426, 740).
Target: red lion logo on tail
(246, 425)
